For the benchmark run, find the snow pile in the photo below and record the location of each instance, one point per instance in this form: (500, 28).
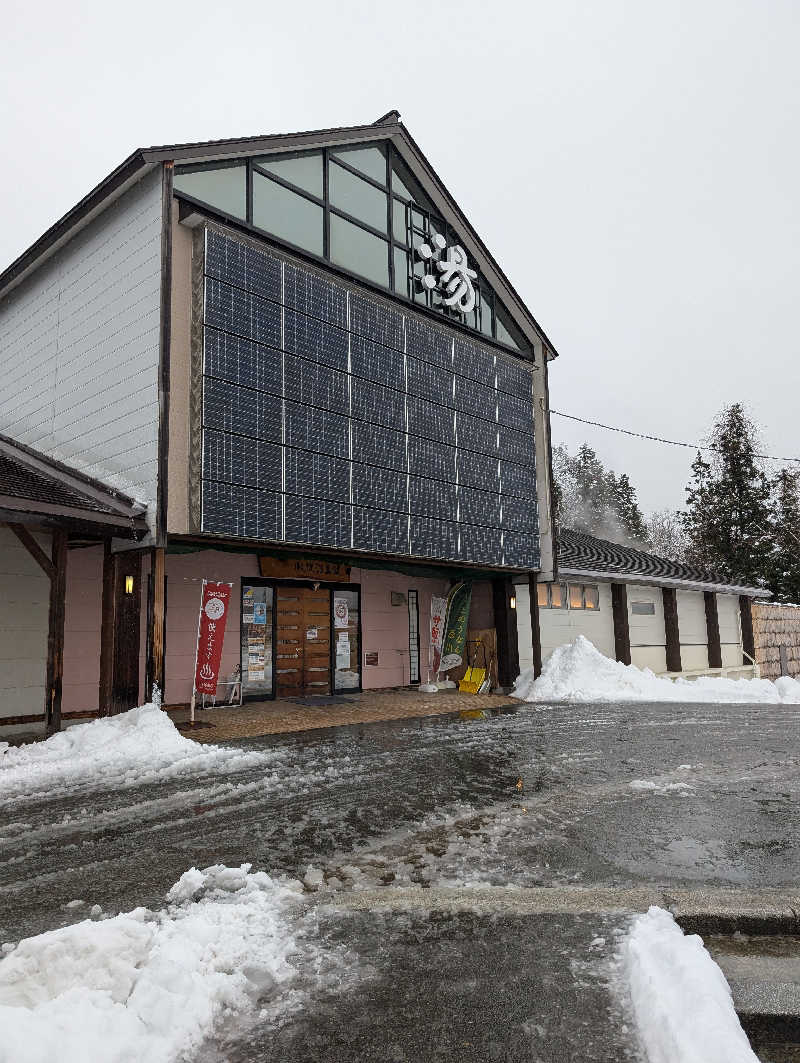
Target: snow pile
(150, 986)
(135, 747)
(579, 672)
(681, 1002)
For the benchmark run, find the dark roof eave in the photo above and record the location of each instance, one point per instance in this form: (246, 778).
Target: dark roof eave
(105, 524)
(641, 578)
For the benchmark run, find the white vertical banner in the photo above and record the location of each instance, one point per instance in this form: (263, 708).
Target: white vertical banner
(438, 615)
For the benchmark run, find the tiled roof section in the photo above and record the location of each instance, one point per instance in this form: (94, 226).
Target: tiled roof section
(21, 481)
(576, 550)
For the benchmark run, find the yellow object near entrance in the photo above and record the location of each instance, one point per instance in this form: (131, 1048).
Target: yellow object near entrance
(472, 681)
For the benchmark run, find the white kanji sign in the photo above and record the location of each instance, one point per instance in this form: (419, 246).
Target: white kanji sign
(455, 278)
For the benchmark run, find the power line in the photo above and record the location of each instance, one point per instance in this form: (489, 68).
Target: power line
(657, 439)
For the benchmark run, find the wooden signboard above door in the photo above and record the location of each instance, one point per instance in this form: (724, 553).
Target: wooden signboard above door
(304, 568)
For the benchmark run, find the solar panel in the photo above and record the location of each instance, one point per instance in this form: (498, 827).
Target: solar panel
(332, 419)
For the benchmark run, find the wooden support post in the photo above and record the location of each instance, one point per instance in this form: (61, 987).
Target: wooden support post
(536, 631)
(672, 629)
(622, 632)
(33, 548)
(505, 622)
(712, 630)
(157, 618)
(748, 638)
(107, 627)
(55, 634)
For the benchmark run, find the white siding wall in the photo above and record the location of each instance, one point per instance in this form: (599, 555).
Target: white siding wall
(692, 627)
(24, 609)
(559, 626)
(730, 634)
(648, 640)
(79, 345)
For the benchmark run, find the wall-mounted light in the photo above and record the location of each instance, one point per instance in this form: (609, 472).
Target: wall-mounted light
(513, 602)
(129, 584)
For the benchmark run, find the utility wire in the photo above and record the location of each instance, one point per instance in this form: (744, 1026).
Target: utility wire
(657, 439)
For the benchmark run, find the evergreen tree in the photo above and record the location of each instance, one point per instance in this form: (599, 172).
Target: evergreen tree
(727, 518)
(784, 573)
(591, 499)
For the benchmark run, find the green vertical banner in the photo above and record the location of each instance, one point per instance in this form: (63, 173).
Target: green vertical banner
(455, 628)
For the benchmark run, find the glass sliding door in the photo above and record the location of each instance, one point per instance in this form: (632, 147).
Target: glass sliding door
(347, 639)
(257, 627)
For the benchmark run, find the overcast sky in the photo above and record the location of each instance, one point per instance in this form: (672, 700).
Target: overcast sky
(634, 167)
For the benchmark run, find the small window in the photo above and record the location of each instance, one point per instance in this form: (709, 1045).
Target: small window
(576, 596)
(359, 251)
(305, 171)
(541, 591)
(224, 188)
(591, 598)
(400, 271)
(399, 221)
(289, 216)
(356, 197)
(371, 161)
(558, 596)
(643, 608)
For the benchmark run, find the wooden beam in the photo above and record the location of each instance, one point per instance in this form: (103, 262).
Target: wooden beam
(748, 638)
(157, 618)
(505, 622)
(622, 632)
(33, 548)
(107, 633)
(55, 634)
(536, 631)
(712, 630)
(672, 629)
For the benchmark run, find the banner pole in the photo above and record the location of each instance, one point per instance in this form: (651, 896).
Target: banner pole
(196, 651)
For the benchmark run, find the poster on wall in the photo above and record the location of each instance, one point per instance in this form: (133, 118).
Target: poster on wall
(256, 659)
(455, 633)
(341, 612)
(259, 613)
(215, 599)
(343, 651)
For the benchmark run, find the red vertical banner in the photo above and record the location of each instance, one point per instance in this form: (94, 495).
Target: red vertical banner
(214, 606)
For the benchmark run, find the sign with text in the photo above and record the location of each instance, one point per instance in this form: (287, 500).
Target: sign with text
(455, 637)
(214, 607)
(438, 613)
(304, 568)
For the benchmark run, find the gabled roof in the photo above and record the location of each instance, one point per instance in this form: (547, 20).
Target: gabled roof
(387, 127)
(584, 555)
(31, 484)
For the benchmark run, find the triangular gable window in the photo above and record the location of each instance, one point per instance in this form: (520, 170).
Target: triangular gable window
(361, 209)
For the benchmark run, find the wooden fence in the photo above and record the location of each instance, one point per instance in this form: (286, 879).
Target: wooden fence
(776, 629)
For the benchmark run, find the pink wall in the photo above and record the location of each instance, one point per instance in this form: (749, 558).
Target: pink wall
(384, 627)
(82, 621)
(185, 573)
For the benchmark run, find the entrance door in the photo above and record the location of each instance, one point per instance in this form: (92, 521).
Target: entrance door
(126, 574)
(303, 642)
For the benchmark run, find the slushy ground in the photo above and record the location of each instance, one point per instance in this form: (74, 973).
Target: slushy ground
(546, 795)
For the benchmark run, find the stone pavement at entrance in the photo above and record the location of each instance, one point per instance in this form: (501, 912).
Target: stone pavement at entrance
(310, 713)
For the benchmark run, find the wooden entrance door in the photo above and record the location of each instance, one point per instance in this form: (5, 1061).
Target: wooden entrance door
(303, 642)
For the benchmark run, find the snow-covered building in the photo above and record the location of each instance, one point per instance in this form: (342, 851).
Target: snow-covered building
(640, 609)
(298, 355)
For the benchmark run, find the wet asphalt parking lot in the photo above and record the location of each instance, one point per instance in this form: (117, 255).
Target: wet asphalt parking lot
(559, 795)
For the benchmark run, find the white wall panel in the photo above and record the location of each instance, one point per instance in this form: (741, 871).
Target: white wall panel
(647, 630)
(728, 612)
(560, 626)
(79, 346)
(24, 609)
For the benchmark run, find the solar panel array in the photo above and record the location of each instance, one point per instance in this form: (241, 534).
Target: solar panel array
(331, 419)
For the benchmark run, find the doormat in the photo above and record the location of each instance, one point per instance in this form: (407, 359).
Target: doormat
(319, 699)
